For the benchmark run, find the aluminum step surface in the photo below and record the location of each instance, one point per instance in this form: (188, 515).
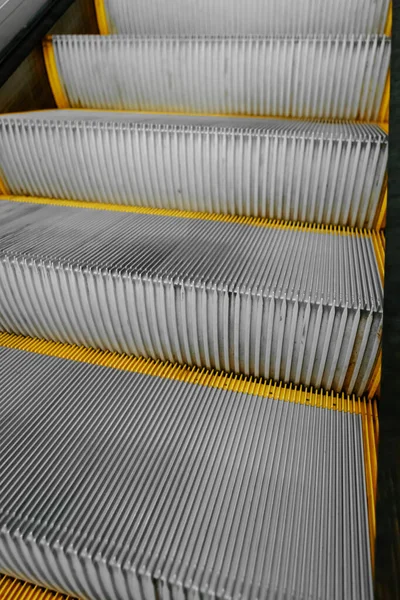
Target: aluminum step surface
(295, 303)
(321, 172)
(235, 17)
(155, 482)
(324, 77)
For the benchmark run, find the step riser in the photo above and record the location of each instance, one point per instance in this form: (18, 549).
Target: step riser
(321, 173)
(316, 77)
(233, 17)
(260, 337)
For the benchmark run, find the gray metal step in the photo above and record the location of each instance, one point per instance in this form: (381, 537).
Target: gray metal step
(295, 303)
(124, 485)
(236, 17)
(311, 171)
(332, 77)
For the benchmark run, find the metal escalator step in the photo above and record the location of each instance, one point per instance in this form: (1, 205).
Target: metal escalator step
(323, 77)
(295, 303)
(235, 17)
(129, 485)
(312, 171)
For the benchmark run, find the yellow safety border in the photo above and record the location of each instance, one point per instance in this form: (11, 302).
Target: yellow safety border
(370, 427)
(378, 240)
(380, 222)
(364, 407)
(163, 212)
(388, 26)
(14, 589)
(384, 110)
(101, 15)
(189, 374)
(3, 187)
(374, 385)
(53, 74)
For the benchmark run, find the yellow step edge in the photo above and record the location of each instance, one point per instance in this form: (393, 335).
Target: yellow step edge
(384, 110)
(101, 17)
(53, 74)
(367, 409)
(62, 101)
(15, 589)
(378, 240)
(374, 386)
(163, 212)
(380, 222)
(370, 430)
(3, 187)
(189, 374)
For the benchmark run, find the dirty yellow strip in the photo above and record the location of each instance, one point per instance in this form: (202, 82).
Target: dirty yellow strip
(53, 74)
(163, 212)
(388, 26)
(374, 386)
(380, 222)
(101, 17)
(384, 111)
(14, 589)
(370, 426)
(379, 247)
(378, 239)
(3, 188)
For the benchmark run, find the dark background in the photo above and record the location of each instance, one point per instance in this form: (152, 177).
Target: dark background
(387, 566)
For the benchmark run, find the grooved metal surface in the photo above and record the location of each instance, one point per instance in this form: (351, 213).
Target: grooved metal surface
(15, 589)
(233, 17)
(292, 170)
(123, 485)
(326, 77)
(295, 304)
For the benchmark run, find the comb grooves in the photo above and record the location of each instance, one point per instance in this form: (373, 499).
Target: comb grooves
(276, 169)
(187, 477)
(323, 77)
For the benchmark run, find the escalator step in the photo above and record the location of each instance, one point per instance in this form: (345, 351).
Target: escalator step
(166, 481)
(297, 303)
(331, 77)
(235, 17)
(330, 173)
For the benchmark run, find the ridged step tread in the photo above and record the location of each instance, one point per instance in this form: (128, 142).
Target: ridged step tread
(315, 76)
(145, 485)
(235, 17)
(332, 173)
(295, 303)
